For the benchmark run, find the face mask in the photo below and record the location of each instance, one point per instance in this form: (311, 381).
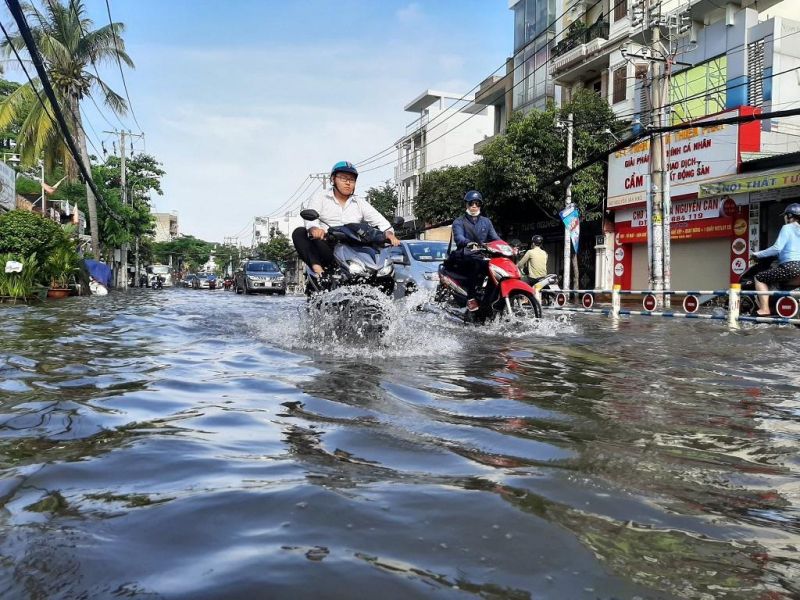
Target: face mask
(473, 211)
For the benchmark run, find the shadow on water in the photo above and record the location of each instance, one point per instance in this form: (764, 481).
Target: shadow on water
(206, 445)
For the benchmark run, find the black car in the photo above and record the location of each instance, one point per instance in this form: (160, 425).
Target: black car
(262, 276)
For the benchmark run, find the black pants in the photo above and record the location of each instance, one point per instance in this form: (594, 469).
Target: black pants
(313, 252)
(470, 264)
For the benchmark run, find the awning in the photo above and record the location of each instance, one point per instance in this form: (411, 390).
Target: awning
(755, 182)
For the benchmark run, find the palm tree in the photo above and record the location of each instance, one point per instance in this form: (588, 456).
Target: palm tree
(69, 48)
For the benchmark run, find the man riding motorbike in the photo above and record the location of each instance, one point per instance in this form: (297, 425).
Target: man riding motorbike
(534, 262)
(787, 249)
(469, 231)
(337, 206)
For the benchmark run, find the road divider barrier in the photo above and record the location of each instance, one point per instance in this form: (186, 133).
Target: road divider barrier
(721, 305)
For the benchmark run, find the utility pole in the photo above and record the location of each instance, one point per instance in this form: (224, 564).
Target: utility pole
(122, 271)
(323, 177)
(568, 201)
(656, 196)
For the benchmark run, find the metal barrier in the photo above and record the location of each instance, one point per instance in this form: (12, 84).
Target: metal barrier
(692, 301)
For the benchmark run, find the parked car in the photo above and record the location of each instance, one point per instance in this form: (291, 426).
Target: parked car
(262, 276)
(205, 282)
(188, 280)
(162, 271)
(416, 263)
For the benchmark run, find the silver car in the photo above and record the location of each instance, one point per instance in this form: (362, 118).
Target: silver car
(416, 263)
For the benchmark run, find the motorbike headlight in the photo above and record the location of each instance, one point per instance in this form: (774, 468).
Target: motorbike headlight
(431, 275)
(386, 269)
(499, 273)
(355, 267)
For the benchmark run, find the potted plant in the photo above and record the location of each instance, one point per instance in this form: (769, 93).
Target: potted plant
(61, 267)
(17, 277)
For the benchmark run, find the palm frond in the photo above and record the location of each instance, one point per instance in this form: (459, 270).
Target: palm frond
(111, 98)
(14, 102)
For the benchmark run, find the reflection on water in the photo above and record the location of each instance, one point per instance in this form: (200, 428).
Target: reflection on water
(204, 445)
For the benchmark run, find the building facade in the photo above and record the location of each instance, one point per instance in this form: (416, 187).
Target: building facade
(166, 226)
(443, 135)
(534, 30)
(728, 60)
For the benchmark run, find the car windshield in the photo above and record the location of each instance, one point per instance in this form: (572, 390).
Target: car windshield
(262, 267)
(160, 269)
(428, 251)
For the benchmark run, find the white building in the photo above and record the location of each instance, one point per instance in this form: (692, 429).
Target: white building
(166, 226)
(264, 228)
(443, 135)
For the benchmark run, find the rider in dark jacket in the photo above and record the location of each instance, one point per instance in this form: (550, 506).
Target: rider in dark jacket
(469, 231)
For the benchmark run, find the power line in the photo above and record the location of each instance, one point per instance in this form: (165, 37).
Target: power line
(119, 63)
(622, 144)
(24, 30)
(304, 182)
(383, 153)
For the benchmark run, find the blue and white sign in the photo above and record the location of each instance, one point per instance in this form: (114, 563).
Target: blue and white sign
(572, 223)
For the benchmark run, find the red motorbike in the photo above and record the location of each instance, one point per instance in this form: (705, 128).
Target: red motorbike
(227, 283)
(500, 290)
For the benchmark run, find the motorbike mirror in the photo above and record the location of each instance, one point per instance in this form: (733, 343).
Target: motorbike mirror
(398, 221)
(309, 214)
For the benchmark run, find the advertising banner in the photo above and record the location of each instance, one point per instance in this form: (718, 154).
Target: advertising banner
(754, 183)
(572, 222)
(695, 155)
(8, 190)
(682, 210)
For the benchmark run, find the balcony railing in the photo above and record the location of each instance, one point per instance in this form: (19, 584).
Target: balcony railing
(580, 34)
(416, 124)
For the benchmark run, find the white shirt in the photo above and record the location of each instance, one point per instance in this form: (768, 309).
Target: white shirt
(355, 210)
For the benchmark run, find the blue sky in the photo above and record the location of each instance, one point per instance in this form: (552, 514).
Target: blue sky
(242, 99)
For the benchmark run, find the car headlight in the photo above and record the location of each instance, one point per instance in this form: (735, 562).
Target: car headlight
(355, 267)
(431, 275)
(499, 273)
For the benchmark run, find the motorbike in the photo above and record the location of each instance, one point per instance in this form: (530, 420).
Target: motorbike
(500, 290)
(227, 283)
(545, 288)
(362, 265)
(749, 304)
(158, 284)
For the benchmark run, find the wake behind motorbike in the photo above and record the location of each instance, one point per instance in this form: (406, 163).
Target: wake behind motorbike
(749, 304)
(500, 289)
(361, 272)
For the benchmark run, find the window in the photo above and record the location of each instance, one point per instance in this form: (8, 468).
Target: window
(699, 91)
(620, 89)
(755, 73)
(620, 9)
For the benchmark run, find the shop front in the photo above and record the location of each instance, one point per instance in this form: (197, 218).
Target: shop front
(709, 236)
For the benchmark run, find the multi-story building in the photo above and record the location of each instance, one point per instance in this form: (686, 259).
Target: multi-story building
(444, 134)
(727, 58)
(264, 228)
(534, 30)
(166, 225)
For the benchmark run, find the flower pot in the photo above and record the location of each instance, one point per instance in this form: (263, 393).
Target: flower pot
(58, 292)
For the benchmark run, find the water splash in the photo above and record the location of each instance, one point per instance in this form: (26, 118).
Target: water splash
(360, 321)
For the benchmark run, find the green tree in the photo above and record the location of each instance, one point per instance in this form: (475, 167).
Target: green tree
(278, 249)
(441, 193)
(24, 233)
(189, 250)
(384, 199)
(69, 47)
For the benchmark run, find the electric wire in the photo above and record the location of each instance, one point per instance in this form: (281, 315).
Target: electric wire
(383, 153)
(304, 182)
(119, 63)
(25, 32)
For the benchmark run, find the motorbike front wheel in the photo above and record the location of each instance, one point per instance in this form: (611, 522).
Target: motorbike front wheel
(523, 306)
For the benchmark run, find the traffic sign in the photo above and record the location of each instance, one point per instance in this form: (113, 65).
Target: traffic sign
(561, 299)
(691, 304)
(786, 307)
(649, 302)
(587, 300)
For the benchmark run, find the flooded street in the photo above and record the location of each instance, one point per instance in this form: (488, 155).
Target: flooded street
(189, 444)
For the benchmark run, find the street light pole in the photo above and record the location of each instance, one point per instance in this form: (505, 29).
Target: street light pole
(568, 201)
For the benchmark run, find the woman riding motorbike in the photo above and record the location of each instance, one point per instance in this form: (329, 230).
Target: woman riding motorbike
(787, 249)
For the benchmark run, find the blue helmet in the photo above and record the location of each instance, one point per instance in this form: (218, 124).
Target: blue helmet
(344, 167)
(473, 196)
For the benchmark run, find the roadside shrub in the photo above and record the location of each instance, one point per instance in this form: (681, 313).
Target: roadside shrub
(25, 233)
(18, 284)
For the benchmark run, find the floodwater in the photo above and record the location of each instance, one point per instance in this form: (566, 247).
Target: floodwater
(195, 444)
